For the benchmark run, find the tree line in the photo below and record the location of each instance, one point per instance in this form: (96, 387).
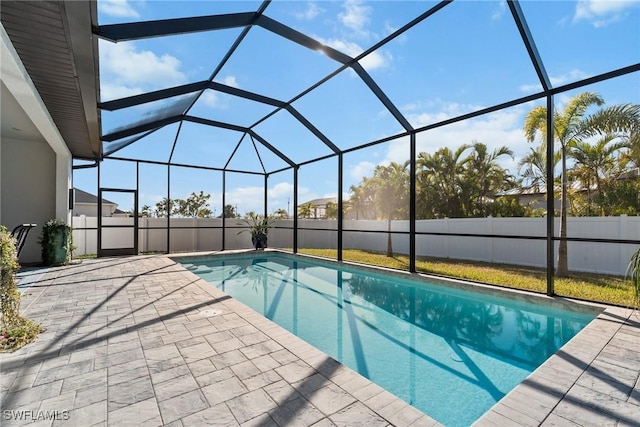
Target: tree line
(599, 156)
(603, 150)
(195, 206)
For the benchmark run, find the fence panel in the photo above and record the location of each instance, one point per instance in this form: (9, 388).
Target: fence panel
(190, 234)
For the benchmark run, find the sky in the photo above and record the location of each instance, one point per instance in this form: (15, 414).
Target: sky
(466, 57)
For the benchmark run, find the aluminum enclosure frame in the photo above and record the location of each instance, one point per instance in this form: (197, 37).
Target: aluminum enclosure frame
(120, 32)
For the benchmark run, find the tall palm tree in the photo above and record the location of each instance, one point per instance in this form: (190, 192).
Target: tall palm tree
(391, 191)
(571, 125)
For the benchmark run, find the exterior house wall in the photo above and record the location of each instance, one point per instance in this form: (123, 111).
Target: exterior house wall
(28, 189)
(36, 170)
(91, 209)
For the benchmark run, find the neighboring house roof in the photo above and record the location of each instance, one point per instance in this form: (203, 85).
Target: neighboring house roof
(88, 198)
(537, 190)
(629, 175)
(319, 202)
(575, 185)
(534, 190)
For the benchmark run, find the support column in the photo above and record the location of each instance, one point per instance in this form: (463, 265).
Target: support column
(412, 203)
(550, 198)
(295, 209)
(340, 202)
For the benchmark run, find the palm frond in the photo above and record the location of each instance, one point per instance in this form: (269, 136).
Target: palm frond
(616, 119)
(536, 121)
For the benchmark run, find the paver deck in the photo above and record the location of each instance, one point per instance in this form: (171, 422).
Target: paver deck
(141, 341)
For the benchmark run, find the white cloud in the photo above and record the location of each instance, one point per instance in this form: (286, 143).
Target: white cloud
(355, 16)
(531, 88)
(214, 99)
(495, 130)
(281, 189)
(361, 170)
(118, 8)
(571, 76)
(375, 60)
(129, 69)
(246, 199)
(231, 81)
(602, 12)
(210, 98)
(109, 91)
(499, 10)
(251, 198)
(310, 12)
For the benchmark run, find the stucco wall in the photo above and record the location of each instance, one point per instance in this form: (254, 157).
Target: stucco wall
(27, 188)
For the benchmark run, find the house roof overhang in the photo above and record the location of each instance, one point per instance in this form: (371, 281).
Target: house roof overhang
(55, 43)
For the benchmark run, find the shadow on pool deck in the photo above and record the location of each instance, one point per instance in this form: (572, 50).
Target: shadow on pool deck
(140, 340)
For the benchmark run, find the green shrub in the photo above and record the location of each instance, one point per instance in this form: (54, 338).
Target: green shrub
(57, 242)
(15, 330)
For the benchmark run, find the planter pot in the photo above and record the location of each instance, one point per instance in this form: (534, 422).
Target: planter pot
(259, 241)
(57, 254)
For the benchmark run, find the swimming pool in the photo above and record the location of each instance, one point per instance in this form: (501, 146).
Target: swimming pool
(449, 352)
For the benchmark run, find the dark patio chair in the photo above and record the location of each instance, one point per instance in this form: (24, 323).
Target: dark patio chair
(20, 234)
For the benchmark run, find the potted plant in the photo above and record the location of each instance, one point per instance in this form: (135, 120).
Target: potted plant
(56, 242)
(633, 274)
(258, 226)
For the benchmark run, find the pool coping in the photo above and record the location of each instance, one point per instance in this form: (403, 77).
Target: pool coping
(534, 400)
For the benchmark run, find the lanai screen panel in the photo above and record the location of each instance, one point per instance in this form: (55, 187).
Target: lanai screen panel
(274, 66)
(570, 34)
(203, 145)
(152, 145)
(220, 106)
(490, 65)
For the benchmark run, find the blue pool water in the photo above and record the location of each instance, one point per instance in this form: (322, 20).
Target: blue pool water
(448, 352)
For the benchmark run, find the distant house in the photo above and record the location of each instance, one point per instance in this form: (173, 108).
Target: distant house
(87, 204)
(534, 196)
(317, 208)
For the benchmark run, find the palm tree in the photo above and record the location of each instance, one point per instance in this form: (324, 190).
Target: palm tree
(331, 210)
(485, 175)
(595, 161)
(569, 127)
(391, 185)
(304, 211)
(357, 201)
(532, 166)
(439, 176)
(281, 214)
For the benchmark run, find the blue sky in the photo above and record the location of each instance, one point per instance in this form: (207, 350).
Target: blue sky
(466, 57)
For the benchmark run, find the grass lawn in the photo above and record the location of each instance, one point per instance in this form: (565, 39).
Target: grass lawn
(592, 287)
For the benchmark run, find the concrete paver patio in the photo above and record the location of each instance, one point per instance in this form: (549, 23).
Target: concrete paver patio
(141, 341)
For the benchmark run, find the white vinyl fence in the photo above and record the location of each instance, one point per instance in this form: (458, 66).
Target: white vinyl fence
(205, 234)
